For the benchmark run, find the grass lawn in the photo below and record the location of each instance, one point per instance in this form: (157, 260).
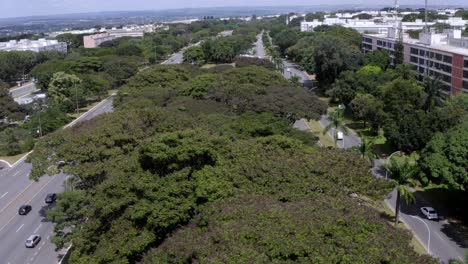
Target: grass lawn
(13, 159)
(317, 129)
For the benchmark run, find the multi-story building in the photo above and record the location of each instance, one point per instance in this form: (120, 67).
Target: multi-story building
(34, 45)
(93, 41)
(443, 56)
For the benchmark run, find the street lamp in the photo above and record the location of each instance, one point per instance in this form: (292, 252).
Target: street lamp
(39, 108)
(388, 160)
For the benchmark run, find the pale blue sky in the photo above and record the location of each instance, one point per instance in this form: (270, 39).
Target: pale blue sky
(15, 8)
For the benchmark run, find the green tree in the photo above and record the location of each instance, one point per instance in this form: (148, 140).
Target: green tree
(194, 55)
(9, 109)
(337, 124)
(399, 53)
(369, 109)
(366, 150)
(72, 40)
(286, 39)
(378, 58)
(330, 56)
(402, 173)
(444, 160)
(65, 90)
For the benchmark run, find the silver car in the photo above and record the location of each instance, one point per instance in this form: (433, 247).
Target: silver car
(32, 241)
(429, 213)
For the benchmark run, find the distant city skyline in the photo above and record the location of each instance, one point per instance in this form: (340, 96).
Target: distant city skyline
(21, 8)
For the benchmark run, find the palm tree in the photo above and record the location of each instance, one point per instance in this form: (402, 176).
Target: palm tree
(337, 123)
(366, 150)
(402, 174)
(432, 87)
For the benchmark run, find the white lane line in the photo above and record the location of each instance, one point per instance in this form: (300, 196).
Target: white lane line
(16, 173)
(438, 235)
(37, 229)
(11, 219)
(4, 195)
(15, 198)
(428, 232)
(19, 228)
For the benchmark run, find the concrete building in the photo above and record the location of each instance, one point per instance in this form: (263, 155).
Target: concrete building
(34, 45)
(444, 55)
(134, 33)
(93, 41)
(379, 25)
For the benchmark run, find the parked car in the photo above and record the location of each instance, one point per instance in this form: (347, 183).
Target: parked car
(429, 213)
(32, 241)
(24, 209)
(51, 197)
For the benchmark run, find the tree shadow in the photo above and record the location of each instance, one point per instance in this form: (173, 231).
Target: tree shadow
(43, 212)
(450, 204)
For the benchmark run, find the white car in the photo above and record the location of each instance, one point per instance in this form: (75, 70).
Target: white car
(32, 241)
(339, 135)
(429, 213)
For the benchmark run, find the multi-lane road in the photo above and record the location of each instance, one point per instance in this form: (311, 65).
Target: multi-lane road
(23, 90)
(17, 189)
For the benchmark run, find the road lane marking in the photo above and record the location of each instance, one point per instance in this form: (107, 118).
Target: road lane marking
(439, 235)
(27, 187)
(428, 232)
(45, 185)
(4, 195)
(37, 229)
(19, 228)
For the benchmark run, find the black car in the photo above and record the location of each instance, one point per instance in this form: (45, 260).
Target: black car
(50, 198)
(24, 209)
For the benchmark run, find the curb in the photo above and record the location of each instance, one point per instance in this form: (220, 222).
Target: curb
(18, 161)
(90, 110)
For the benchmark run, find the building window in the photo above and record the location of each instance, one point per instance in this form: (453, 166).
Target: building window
(414, 59)
(421, 52)
(438, 56)
(421, 61)
(465, 84)
(414, 51)
(448, 59)
(466, 64)
(465, 74)
(379, 42)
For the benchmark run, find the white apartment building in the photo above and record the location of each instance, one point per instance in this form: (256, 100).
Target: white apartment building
(34, 45)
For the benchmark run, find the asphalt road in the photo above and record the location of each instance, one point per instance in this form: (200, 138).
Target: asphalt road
(259, 47)
(178, 57)
(17, 189)
(291, 69)
(23, 90)
(349, 141)
(438, 237)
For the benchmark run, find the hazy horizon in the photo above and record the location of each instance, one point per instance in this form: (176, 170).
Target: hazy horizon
(24, 8)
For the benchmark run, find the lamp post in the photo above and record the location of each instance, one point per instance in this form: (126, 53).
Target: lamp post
(388, 160)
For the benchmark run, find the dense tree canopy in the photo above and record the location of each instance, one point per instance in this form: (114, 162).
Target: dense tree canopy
(444, 161)
(170, 152)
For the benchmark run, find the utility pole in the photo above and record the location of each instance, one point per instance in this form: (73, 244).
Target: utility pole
(76, 97)
(39, 109)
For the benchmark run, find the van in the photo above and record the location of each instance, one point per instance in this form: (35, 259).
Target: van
(339, 135)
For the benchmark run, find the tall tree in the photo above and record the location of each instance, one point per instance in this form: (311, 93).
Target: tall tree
(402, 173)
(366, 150)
